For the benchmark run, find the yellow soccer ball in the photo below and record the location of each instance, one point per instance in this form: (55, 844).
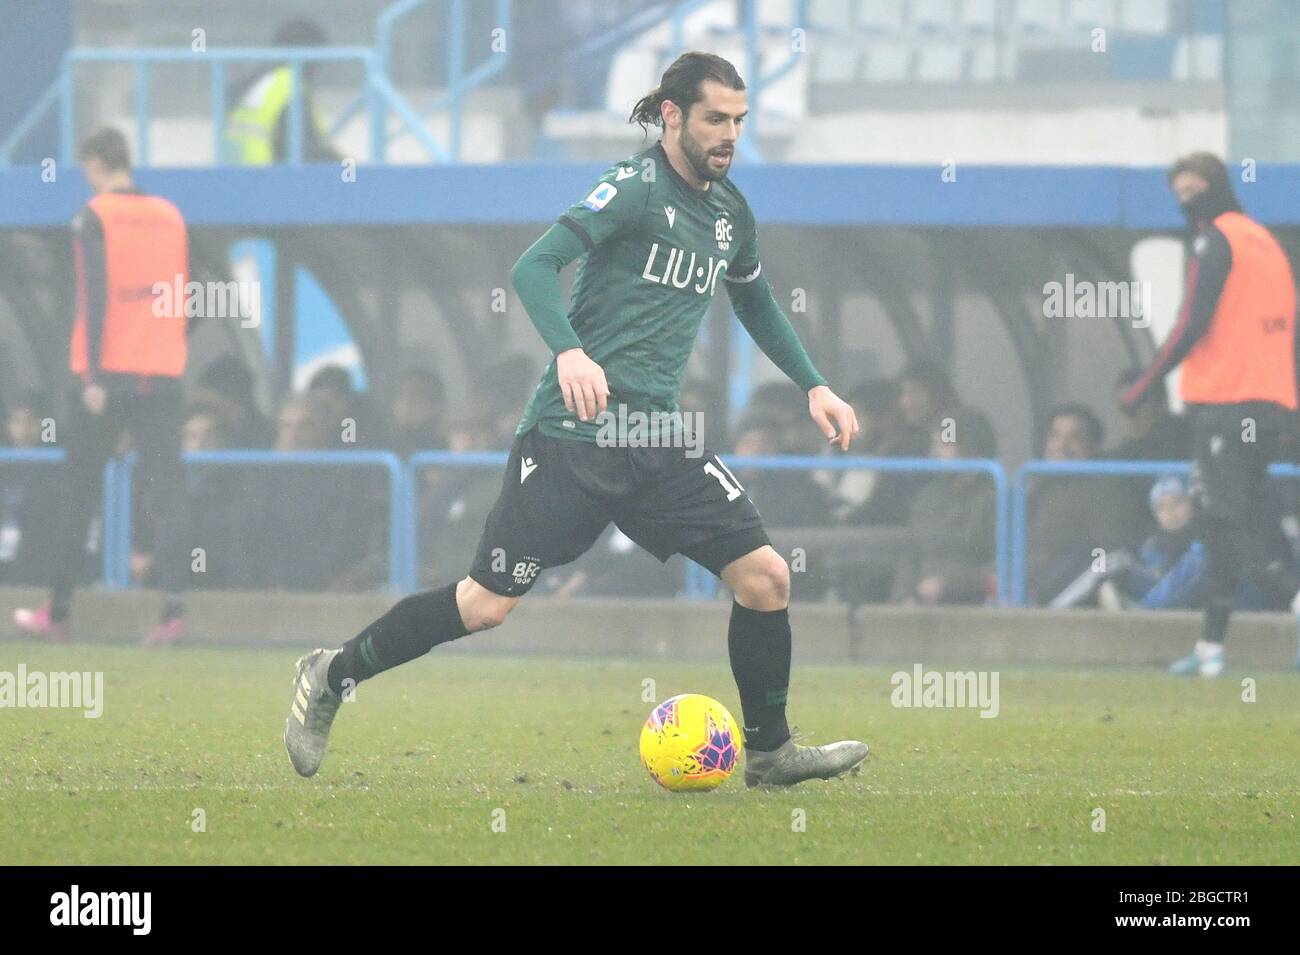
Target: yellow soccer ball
(690, 742)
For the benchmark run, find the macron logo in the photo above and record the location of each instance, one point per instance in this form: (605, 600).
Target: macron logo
(671, 213)
(102, 908)
(526, 467)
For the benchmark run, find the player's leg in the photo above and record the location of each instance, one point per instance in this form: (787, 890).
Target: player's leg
(88, 441)
(157, 430)
(695, 506)
(1228, 474)
(759, 643)
(541, 518)
(413, 627)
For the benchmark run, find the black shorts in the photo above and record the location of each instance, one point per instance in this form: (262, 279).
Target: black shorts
(559, 495)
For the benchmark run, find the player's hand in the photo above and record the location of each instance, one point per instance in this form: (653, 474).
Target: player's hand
(95, 398)
(833, 415)
(582, 382)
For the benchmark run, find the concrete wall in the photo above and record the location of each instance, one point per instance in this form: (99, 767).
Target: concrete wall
(680, 630)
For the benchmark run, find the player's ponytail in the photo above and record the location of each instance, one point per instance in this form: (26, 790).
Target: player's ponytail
(681, 84)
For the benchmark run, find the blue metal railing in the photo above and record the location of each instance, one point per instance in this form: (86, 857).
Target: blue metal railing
(382, 459)
(706, 585)
(1019, 497)
(56, 456)
(381, 95)
(403, 556)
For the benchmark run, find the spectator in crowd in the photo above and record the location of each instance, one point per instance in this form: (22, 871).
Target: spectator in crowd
(1070, 516)
(1171, 563)
(313, 524)
(27, 496)
(881, 497)
(924, 394)
(353, 421)
(786, 498)
(1169, 572)
(953, 520)
(223, 515)
(417, 412)
(226, 386)
(257, 126)
(454, 502)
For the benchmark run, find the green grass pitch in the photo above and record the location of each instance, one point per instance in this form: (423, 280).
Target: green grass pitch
(422, 762)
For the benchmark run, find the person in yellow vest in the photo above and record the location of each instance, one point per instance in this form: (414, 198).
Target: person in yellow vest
(257, 127)
(1235, 338)
(128, 353)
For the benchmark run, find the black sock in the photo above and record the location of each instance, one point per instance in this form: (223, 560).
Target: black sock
(758, 642)
(1214, 624)
(173, 606)
(413, 627)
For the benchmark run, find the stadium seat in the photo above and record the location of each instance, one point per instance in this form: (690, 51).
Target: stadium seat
(939, 62)
(881, 17)
(1037, 16)
(1198, 59)
(632, 72)
(831, 16)
(835, 60)
(1088, 14)
(886, 62)
(1145, 16)
(978, 16)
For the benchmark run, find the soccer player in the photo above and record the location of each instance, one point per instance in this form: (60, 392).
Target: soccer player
(656, 234)
(1236, 340)
(127, 356)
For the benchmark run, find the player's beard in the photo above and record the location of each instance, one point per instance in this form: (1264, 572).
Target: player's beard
(698, 157)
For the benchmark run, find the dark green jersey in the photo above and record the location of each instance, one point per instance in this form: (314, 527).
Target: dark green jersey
(656, 250)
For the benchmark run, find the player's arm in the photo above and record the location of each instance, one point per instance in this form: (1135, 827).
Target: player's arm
(92, 297)
(767, 324)
(612, 206)
(1211, 263)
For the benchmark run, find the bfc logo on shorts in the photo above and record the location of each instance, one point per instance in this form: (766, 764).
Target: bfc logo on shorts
(525, 571)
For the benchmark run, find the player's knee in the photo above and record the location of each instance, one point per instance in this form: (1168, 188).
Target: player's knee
(765, 585)
(480, 608)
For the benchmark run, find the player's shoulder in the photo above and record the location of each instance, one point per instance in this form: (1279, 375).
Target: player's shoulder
(730, 194)
(637, 172)
(628, 181)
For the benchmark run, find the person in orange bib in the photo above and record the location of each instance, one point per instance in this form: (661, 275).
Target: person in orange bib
(128, 353)
(1235, 338)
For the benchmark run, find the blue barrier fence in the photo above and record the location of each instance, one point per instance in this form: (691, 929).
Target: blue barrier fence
(397, 526)
(403, 553)
(705, 584)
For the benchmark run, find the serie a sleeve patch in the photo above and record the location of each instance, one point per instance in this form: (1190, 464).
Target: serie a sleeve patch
(600, 196)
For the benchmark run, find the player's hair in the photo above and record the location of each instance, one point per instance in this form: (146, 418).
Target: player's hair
(681, 84)
(108, 145)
